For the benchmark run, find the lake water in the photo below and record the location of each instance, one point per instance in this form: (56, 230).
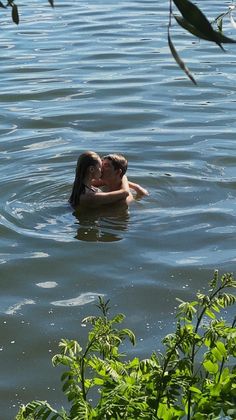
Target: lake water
(99, 75)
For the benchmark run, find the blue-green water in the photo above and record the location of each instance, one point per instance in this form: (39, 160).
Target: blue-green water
(99, 75)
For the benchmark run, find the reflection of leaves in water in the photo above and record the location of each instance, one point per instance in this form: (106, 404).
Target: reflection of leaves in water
(102, 224)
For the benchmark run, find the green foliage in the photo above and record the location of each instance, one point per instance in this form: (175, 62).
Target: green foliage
(197, 20)
(194, 21)
(194, 378)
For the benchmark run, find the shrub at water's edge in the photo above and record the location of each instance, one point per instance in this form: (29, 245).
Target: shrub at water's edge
(194, 378)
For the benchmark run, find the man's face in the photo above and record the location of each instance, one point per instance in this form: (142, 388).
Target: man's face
(108, 170)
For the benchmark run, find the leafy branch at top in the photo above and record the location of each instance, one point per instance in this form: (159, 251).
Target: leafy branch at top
(194, 21)
(191, 19)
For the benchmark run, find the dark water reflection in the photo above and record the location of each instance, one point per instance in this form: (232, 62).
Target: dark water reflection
(105, 224)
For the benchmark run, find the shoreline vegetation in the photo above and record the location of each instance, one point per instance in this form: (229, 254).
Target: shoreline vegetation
(194, 378)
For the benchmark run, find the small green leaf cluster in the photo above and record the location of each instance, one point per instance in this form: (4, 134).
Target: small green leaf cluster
(194, 378)
(228, 14)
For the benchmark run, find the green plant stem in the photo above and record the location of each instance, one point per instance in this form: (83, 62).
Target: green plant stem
(223, 360)
(199, 319)
(82, 368)
(82, 365)
(160, 394)
(221, 369)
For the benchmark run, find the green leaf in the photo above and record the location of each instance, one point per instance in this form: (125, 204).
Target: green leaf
(134, 363)
(227, 299)
(217, 354)
(65, 375)
(14, 14)
(221, 347)
(210, 366)
(98, 381)
(215, 307)
(190, 28)
(90, 319)
(194, 389)
(118, 318)
(178, 60)
(210, 314)
(215, 279)
(225, 374)
(129, 334)
(220, 25)
(196, 19)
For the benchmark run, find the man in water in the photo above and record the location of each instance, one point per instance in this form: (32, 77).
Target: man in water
(114, 167)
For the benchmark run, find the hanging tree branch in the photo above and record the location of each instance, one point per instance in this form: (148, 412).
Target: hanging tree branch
(191, 19)
(14, 9)
(174, 53)
(196, 23)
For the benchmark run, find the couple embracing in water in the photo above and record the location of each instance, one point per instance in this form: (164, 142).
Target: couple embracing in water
(100, 181)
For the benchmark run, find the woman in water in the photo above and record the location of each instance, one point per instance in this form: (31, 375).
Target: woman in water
(89, 166)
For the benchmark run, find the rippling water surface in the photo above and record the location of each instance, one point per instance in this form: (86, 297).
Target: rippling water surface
(99, 75)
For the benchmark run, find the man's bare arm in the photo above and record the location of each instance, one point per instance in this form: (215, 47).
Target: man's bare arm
(99, 198)
(138, 189)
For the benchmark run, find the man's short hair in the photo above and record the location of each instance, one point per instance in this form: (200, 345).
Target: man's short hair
(118, 162)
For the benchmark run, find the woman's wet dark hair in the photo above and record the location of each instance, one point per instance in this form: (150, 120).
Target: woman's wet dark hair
(84, 161)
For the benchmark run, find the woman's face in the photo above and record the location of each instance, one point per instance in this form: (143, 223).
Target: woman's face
(97, 170)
